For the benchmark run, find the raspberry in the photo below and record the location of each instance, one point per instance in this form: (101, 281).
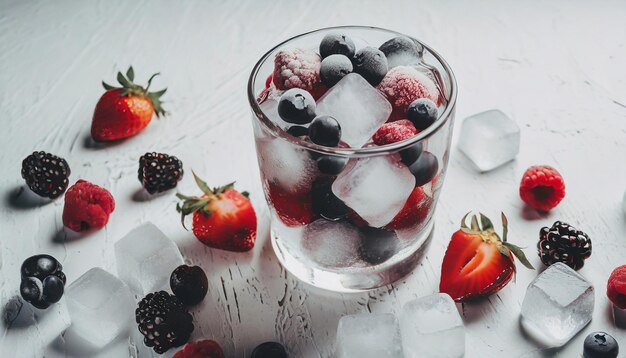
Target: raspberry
(616, 287)
(394, 132)
(87, 206)
(402, 85)
(201, 349)
(542, 187)
(298, 69)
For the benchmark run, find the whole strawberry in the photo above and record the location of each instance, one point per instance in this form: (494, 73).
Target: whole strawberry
(223, 218)
(477, 262)
(125, 111)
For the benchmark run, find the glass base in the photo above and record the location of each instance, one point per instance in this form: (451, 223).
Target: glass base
(352, 279)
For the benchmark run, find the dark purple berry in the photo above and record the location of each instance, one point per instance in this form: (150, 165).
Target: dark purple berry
(325, 202)
(401, 50)
(296, 106)
(329, 164)
(378, 245)
(46, 174)
(298, 131)
(325, 130)
(189, 284)
(371, 64)
(600, 345)
(422, 112)
(159, 172)
(410, 154)
(53, 288)
(336, 43)
(269, 350)
(425, 168)
(334, 68)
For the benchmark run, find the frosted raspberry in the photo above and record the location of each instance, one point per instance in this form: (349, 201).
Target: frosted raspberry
(298, 69)
(403, 85)
(87, 206)
(394, 132)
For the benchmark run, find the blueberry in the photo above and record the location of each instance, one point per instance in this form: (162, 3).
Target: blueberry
(600, 345)
(336, 43)
(329, 164)
(410, 154)
(30, 289)
(189, 284)
(298, 131)
(371, 64)
(325, 130)
(425, 168)
(53, 288)
(269, 350)
(334, 68)
(40, 266)
(378, 245)
(401, 50)
(329, 206)
(296, 106)
(422, 112)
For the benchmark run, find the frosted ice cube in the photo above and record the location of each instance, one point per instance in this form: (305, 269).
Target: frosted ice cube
(375, 187)
(101, 307)
(331, 244)
(432, 327)
(285, 164)
(358, 107)
(489, 139)
(557, 305)
(146, 258)
(368, 336)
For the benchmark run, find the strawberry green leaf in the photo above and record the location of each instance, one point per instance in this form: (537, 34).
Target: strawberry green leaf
(130, 74)
(158, 94)
(150, 80)
(108, 86)
(222, 189)
(474, 224)
(122, 80)
(485, 222)
(504, 251)
(202, 185)
(246, 194)
(463, 221)
(505, 227)
(519, 254)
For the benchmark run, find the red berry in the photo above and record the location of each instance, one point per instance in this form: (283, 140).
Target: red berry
(542, 187)
(616, 287)
(394, 132)
(298, 69)
(87, 206)
(201, 349)
(292, 209)
(414, 212)
(402, 85)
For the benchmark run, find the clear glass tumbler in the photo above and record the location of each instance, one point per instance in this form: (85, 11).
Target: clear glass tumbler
(366, 221)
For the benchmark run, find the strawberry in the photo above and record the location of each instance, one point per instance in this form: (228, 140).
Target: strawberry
(414, 211)
(292, 209)
(477, 262)
(125, 111)
(223, 218)
(202, 349)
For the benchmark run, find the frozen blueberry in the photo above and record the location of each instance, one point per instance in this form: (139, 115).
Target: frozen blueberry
(325, 130)
(425, 168)
(336, 43)
(600, 345)
(296, 106)
(269, 350)
(410, 154)
(43, 280)
(329, 164)
(189, 284)
(378, 245)
(422, 112)
(401, 50)
(298, 131)
(334, 68)
(371, 64)
(329, 206)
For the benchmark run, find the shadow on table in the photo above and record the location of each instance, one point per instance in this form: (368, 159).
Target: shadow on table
(65, 235)
(16, 314)
(22, 198)
(141, 195)
(89, 143)
(530, 214)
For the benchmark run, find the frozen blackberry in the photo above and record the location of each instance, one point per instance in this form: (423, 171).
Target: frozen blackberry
(43, 281)
(46, 174)
(163, 321)
(563, 243)
(189, 284)
(159, 172)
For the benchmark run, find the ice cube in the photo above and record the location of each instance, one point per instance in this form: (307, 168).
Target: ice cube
(331, 244)
(557, 305)
(368, 335)
(285, 164)
(101, 307)
(146, 258)
(432, 327)
(489, 139)
(358, 107)
(375, 187)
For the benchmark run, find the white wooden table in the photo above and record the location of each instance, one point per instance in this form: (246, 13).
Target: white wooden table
(557, 68)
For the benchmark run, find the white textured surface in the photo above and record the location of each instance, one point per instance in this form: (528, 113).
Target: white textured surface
(557, 68)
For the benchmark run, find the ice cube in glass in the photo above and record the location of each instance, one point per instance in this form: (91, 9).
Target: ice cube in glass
(368, 336)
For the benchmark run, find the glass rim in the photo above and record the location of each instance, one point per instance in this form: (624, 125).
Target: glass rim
(364, 151)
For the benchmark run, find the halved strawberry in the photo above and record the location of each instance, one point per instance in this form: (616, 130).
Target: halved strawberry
(292, 209)
(414, 211)
(477, 262)
(223, 218)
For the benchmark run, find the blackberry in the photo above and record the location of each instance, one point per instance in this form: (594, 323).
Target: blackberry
(563, 243)
(159, 172)
(46, 174)
(163, 321)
